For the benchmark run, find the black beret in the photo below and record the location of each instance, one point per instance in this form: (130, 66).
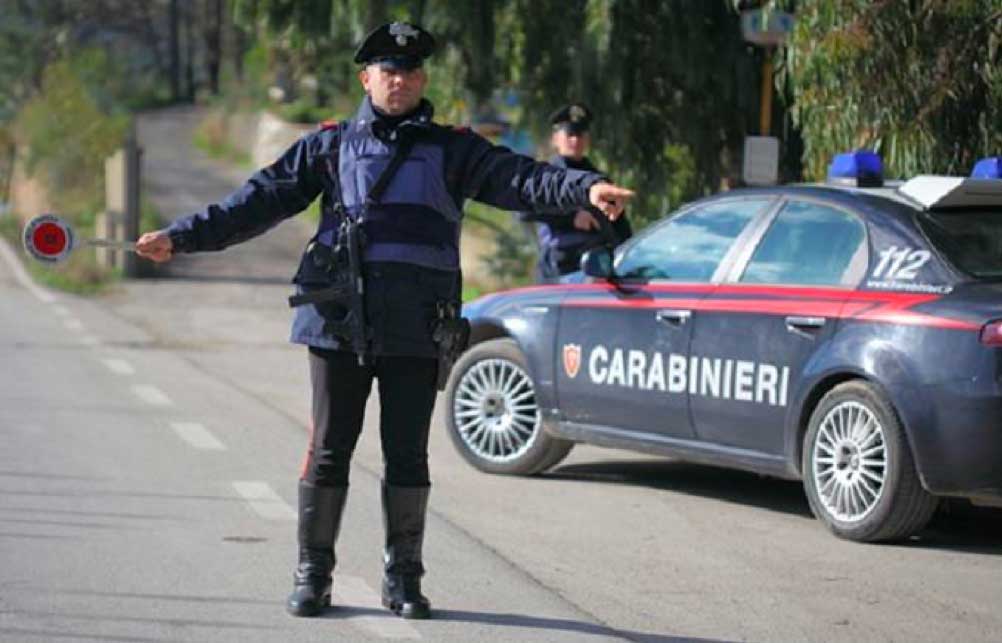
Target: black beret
(574, 118)
(398, 44)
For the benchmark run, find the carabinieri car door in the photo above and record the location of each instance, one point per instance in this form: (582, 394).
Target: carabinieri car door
(757, 334)
(622, 345)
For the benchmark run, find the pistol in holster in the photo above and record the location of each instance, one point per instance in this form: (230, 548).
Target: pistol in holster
(451, 334)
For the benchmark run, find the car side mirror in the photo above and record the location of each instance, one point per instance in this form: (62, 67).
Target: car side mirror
(597, 262)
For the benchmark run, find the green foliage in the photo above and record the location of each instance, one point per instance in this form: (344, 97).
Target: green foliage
(920, 82)
(33, 35)
(470, 292)
(513, 256)
(66, 135)
(303, 111)
(27, 42)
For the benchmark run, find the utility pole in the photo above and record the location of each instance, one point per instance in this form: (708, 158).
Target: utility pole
(767, 29)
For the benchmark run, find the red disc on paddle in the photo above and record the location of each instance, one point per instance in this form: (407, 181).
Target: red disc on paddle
(48, 238)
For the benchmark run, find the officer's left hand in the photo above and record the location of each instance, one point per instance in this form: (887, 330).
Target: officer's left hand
(609, 198)
(583, 220)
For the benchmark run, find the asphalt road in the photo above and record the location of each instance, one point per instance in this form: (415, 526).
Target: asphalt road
(150, 441)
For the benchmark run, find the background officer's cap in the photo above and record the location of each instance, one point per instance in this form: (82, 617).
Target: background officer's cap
(573, 119)
(398, 45)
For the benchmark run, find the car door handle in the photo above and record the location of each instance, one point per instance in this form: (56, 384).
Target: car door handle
(795, 323)
(674, 317)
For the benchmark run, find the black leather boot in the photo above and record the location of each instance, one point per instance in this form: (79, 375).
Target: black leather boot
(403, 521)
(320, 511)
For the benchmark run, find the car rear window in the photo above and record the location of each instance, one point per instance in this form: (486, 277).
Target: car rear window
(970, 239)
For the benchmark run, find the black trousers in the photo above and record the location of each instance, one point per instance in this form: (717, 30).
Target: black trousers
(340, 390)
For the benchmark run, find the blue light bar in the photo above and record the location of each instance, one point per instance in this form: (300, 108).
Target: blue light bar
(988, 168)
(861, 168)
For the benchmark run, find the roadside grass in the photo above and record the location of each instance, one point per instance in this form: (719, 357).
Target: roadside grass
(471, 292)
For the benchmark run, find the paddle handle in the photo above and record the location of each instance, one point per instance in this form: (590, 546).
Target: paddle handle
(129, 246)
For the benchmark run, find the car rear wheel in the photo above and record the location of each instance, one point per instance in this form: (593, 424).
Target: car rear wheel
(858, 471)
(492, 415)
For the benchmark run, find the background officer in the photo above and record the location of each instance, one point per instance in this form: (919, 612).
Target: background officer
(565, 236)
(410, 269)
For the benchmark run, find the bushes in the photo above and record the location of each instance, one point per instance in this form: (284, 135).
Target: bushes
(65, 136)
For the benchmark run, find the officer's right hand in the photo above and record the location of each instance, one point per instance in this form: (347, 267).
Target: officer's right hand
(155, 246)
(609, 198)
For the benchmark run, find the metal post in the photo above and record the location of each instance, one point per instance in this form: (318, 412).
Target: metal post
(765, 116)
(130, 223)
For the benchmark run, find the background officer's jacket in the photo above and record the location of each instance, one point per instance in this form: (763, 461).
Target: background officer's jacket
(560, 243)
(471, 168)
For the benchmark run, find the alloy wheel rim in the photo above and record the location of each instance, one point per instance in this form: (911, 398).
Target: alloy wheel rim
(850, 462)
(495, 410)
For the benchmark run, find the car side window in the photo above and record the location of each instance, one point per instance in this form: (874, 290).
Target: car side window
(809, 243)
(690, 245)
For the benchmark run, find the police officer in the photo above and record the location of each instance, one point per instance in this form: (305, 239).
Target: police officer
(564, 237)
(410, 271)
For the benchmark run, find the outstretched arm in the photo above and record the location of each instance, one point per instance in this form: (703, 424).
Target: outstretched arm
(497, 176)
(272, 194)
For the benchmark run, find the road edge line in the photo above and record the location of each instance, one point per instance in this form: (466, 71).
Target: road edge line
(21, 275)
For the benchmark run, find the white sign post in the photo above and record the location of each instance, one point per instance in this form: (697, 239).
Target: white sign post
(761, 160)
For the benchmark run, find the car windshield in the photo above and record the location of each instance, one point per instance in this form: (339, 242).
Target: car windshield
(970, 239)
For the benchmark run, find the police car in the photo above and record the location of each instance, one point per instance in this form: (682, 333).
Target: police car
(847, 334)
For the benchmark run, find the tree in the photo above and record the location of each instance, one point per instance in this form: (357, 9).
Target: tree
(918, 81)
(673, 86)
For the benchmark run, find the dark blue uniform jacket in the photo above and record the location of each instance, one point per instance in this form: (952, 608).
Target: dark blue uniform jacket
(472, 166)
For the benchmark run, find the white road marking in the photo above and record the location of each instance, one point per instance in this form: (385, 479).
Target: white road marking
(73, 324)
(119, 366)
(62, 311)
(264, 501)
(7, 254)
(197, 436)
(152, 395)
(353, 591)
(89, 340)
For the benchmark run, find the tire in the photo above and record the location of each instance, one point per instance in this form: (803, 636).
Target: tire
(492, 416)
(858, 470)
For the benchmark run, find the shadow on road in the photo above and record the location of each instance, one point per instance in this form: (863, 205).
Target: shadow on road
(958, 526)
(525, 621)
(710, 482)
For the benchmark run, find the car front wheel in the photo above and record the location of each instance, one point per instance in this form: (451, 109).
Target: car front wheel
(858, 471)
(492, 415)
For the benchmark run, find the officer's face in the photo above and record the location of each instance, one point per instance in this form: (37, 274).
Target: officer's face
(573, 145)
(393, 91)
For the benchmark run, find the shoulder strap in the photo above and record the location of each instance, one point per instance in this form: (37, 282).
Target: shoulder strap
(333, 159)
(384, 178)
(383, 181)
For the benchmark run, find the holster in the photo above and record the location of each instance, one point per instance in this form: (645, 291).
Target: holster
(451, 334)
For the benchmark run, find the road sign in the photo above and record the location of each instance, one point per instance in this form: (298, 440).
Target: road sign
(766, 28)
(761, 161)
